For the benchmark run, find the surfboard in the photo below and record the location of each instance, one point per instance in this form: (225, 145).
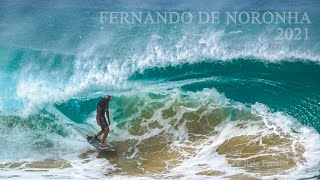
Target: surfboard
(96, 143)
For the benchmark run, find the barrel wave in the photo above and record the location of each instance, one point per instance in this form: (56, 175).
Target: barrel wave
(189, 100)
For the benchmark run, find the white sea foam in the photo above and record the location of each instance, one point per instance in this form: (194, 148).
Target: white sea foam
(205, 157)
(279, 122)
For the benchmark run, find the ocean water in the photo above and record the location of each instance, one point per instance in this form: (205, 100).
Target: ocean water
(190, 101)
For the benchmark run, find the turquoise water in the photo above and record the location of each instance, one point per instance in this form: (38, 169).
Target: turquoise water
(57, 62)
(289, 87)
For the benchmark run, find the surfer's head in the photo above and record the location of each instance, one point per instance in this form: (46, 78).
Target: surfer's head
(108, 97)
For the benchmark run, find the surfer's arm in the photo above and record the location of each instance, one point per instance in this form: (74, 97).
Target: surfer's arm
(98, 115)
(107, 112)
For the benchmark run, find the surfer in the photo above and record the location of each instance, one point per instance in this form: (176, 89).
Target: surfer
(102, 109)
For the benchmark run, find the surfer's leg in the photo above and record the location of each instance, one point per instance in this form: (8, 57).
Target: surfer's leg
(106, 132)
(103, 126)
(99, 134)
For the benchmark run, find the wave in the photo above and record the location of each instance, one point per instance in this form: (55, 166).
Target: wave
(189, 133)
(58, 77)
(188, 100)
(49, 79)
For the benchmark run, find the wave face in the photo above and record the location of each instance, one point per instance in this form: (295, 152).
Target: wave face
(189, 100)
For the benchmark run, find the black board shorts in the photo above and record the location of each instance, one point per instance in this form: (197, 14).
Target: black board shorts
(103, 123)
